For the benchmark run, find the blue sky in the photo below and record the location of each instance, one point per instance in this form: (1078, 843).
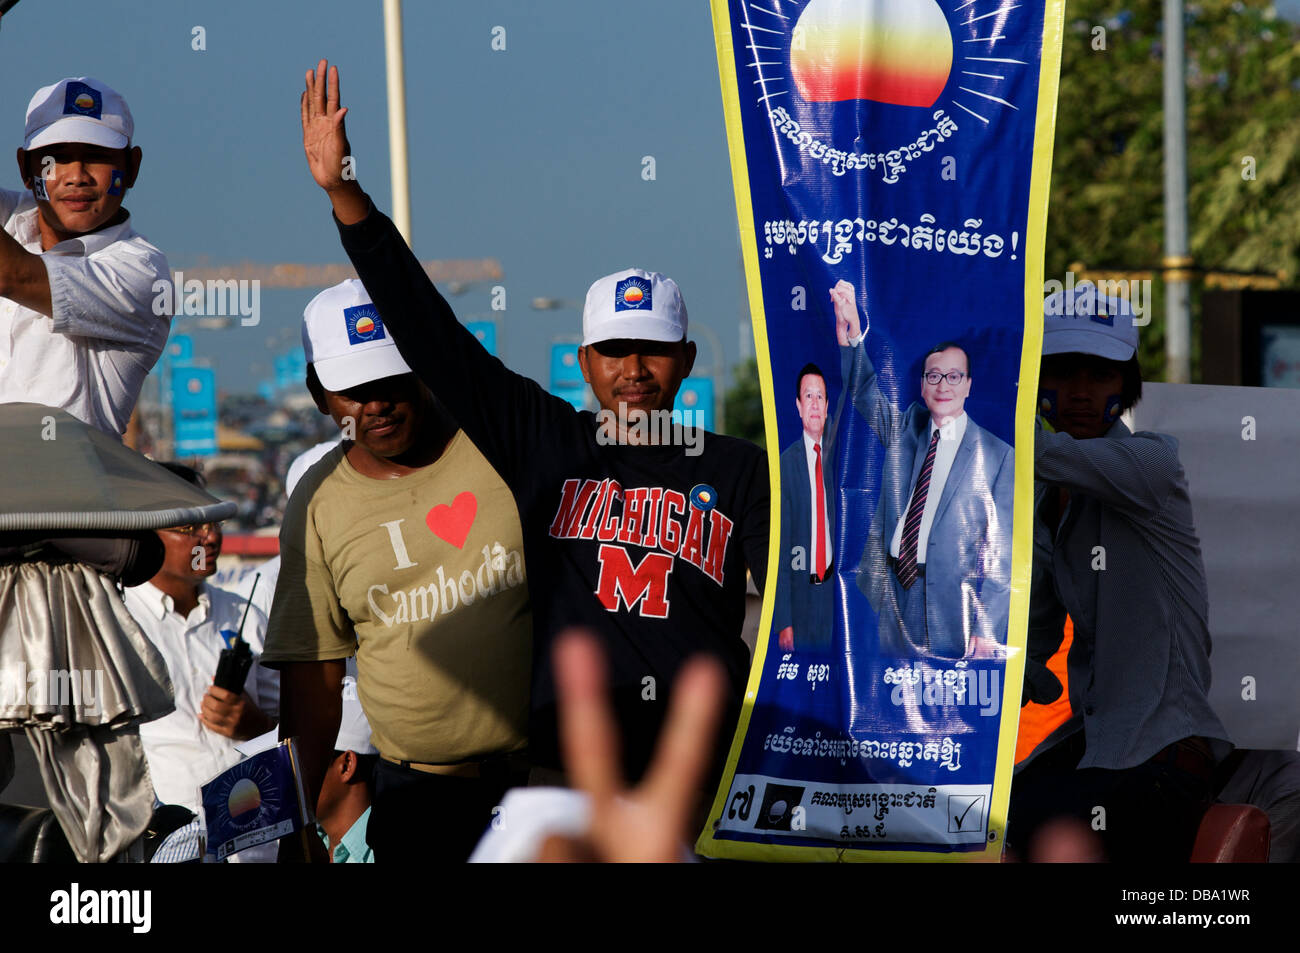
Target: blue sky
(531, 155)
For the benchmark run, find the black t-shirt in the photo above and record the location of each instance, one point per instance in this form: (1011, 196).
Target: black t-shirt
(644, 545)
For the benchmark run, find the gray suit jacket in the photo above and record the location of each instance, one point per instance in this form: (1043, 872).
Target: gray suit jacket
(968, 559)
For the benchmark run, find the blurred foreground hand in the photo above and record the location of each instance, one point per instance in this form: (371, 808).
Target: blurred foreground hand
(648, 823)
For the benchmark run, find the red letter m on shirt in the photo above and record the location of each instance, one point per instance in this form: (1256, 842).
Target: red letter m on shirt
(648, 581)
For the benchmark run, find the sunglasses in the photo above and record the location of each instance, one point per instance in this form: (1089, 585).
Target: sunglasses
(193, 529)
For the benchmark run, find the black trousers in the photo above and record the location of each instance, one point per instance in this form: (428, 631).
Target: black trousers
(1148, 813)
(421, 818)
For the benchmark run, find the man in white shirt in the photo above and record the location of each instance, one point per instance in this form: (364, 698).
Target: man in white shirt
(184, 618)
(81, 321)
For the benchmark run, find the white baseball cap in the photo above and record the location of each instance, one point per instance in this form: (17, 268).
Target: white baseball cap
(346, 340)
(78, 109)
(354, 730)
(633, 304)
(1085, 322)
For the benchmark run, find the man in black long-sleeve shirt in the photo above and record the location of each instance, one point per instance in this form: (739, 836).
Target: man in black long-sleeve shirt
(642, 539)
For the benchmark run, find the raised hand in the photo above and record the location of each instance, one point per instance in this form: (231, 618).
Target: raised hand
(324, 139)
(650, 823)
(844, 299)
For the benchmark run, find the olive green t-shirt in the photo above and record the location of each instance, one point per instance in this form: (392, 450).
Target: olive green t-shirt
(423, 578)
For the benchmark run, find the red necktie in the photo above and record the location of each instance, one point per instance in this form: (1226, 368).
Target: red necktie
(821, 517)
(912, 527)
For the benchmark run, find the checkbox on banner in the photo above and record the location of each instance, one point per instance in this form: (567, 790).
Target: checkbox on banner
(965, 813)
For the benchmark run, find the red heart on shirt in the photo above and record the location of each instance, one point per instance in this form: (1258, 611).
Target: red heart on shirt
(452, 523)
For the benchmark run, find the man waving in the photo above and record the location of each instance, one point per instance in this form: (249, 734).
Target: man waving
(630, 529)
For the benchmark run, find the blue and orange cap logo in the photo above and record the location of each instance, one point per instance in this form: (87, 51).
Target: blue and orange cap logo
(363, 324)
(82, 100)
(632, 294)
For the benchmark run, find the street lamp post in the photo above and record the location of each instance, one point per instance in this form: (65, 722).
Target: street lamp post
(397, 117)
(1177, 262)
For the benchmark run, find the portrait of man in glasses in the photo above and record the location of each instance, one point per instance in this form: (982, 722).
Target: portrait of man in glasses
(937, 563)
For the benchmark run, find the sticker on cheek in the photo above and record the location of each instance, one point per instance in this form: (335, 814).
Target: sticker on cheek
(1112, 407)
(1047, 404)
(38, 189)
(115, 182)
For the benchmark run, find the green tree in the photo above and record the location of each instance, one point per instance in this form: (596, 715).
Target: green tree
(1243, 144)
(744, 404)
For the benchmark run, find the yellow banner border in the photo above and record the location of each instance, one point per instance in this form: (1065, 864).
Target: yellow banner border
(1026, 408)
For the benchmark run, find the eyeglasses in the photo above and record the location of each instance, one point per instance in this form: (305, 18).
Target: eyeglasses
(193, 529)
(952, 377)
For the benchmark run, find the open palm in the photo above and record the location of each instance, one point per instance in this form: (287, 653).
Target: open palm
(324, 139)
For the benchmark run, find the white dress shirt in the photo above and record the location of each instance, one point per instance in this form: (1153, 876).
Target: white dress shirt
(92, 356)
(181, 752)
(950, 435)
(810, 456)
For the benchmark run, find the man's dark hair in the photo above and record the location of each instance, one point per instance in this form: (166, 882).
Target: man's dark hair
(188, 474)
(809, 368)
(1131, 390)
(943, 346)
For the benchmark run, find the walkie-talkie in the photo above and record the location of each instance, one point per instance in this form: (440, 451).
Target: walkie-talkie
(236, 658)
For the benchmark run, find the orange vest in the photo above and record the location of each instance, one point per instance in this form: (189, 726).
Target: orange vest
(1039, 721)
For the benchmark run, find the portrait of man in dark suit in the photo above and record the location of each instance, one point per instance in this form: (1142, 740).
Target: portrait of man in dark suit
(805, 585)
(937, 563)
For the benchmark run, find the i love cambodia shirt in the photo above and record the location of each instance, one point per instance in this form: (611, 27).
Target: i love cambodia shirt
(423, 578)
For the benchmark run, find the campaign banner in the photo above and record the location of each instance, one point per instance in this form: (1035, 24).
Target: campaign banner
(485, 332)
(260, 799)
(891, 161)
(194, 411)
(693, 406)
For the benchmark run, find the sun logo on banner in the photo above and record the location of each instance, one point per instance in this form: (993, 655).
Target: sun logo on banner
(244, 797)
(920, 54)
(248, 793)
(889, 51)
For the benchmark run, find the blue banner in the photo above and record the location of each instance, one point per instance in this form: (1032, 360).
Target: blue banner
(486, 334)
(290, 369)
(180, 350)
(194, 411)
(696, 397)
(566, 375)
(256, 801)
(891, 161)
